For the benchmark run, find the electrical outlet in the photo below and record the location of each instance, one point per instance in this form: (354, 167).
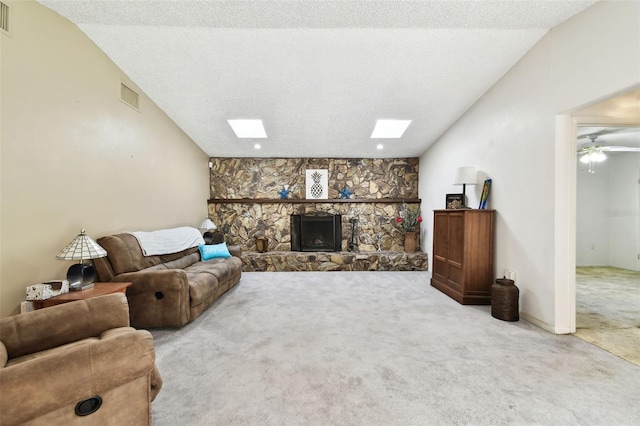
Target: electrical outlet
(508, 273)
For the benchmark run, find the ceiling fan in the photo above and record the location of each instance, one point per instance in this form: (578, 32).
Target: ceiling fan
(592, 152)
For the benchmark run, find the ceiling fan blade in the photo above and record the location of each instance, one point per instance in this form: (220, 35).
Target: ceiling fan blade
(588, 149)
(620, 148)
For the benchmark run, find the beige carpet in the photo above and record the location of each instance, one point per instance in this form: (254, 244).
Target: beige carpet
(608, 310)
(379, 348)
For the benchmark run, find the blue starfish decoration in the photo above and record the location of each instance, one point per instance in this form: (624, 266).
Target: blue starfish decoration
(345, 193)
(284, 193)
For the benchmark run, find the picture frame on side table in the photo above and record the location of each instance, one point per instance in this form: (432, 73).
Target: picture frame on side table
(485, 194)
(454, 201)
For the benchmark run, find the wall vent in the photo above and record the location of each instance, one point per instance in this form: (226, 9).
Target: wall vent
(4, 18)
(129, 96)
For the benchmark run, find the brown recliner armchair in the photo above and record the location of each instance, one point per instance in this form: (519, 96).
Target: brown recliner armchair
(77, 363)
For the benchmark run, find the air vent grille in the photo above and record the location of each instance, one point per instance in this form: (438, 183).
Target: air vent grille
(4, 18)
(129, 97)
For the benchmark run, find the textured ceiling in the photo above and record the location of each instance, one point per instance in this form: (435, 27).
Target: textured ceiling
(318, 73)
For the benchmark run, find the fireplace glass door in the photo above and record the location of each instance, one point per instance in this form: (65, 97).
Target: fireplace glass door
(316, 232)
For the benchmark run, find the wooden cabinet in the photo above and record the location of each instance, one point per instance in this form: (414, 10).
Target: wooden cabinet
(463, 254)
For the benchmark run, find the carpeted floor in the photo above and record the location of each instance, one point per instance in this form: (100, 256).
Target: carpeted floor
(379, 348)
(608, 310)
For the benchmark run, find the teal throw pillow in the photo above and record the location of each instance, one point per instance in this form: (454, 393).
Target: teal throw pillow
(214, 251)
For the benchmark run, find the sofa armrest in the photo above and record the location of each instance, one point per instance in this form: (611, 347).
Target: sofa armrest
(74, 373)
(104, 270)
(58, 325)
(235, 251)
(157, 298)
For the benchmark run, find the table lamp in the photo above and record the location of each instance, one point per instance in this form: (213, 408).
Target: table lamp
(81, 275)
(207, 226)
(465, 176)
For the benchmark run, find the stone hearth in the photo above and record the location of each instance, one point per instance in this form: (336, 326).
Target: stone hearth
(285, 261)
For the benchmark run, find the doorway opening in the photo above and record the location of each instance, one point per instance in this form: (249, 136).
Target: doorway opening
(605, 276)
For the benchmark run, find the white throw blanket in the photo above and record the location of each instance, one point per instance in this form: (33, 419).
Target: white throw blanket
(166, 241)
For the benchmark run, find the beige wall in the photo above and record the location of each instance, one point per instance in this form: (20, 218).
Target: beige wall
(74, 156)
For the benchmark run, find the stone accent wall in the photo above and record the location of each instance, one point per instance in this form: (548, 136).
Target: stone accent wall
(264, 177)
(249, 179)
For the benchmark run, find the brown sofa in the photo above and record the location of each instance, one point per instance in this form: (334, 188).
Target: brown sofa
(58, 361)
(168, 290)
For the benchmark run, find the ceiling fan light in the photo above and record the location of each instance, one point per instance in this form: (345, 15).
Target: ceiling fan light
(585, 159)
(598, 156)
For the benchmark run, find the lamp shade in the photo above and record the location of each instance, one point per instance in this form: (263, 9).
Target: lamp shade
(82, 247)
(207, 225)
(465, 176)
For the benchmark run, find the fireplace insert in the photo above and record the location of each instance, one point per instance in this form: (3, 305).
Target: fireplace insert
(321, 232)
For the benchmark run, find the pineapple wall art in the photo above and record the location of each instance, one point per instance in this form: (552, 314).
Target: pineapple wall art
(317, 184)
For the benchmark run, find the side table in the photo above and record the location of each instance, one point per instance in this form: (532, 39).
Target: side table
(99, 289)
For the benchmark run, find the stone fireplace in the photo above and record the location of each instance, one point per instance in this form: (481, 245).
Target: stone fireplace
(245, 199)
(316, 232)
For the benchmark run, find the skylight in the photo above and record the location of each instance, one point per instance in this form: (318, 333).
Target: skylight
(248, 128)
(389, 129)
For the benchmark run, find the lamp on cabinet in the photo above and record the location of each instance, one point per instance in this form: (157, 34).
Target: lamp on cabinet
(465, 176)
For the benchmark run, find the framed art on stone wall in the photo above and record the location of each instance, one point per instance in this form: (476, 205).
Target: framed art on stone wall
(317, 184)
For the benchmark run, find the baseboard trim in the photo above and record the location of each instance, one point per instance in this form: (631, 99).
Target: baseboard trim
(543, 325)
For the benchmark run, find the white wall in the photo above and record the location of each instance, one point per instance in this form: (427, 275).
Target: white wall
(74, 156)
(510, 135)
(622, 210)
(607, 212)
(592, 227)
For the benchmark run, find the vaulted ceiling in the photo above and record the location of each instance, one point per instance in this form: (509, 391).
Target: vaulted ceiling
(318, 73)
